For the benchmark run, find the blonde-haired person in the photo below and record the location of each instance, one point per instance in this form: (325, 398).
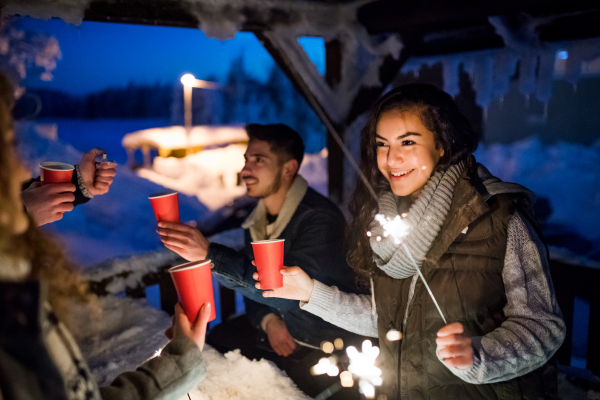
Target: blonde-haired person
(39, 358)
(475, 239)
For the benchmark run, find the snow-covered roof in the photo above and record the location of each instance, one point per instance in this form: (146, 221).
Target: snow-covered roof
(177, 137)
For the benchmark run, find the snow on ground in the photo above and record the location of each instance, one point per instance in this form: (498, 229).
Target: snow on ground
(119, 223)
(212, 175)
(129, 332)
(233, 376)
(178, 137)
(567, 174)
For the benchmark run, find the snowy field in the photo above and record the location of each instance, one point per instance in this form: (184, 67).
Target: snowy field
(120, 223)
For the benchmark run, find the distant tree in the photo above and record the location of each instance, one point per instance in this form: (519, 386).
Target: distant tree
(23, 52)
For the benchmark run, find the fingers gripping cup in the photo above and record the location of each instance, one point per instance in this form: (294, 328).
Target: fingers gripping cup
(165, 206)
(268, 257)
(193, 283)
(56, 172)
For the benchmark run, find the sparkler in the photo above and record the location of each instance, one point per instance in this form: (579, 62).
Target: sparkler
(397, 229)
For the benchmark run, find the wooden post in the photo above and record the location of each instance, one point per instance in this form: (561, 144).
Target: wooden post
(335, 159)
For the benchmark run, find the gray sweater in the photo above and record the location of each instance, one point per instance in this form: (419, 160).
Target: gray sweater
(531, 334)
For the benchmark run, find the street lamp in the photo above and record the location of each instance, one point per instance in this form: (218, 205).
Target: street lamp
(189, 82)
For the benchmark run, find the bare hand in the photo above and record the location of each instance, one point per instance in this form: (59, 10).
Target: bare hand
(184, 240)
(280, 339)
(181, 325)
(454, 347)
(297, 285)
(46, 203)
(97, 177)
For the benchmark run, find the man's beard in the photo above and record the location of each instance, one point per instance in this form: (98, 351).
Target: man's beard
(272, 188)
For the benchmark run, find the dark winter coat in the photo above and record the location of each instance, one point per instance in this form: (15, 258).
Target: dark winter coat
(314, 239)
(465, 271)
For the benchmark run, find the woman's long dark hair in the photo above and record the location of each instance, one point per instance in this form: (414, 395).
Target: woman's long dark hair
(452, 131)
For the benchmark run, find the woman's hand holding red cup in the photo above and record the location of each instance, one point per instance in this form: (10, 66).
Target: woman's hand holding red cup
(297, 285)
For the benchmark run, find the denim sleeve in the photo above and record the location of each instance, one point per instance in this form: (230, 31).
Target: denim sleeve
(256, 312)
(234, 271)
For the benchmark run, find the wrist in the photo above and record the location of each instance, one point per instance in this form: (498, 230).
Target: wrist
(266, 322)
(310, 290)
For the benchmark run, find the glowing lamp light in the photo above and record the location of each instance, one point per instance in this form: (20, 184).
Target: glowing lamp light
(563, 55)
(188, 80)
(338, 343)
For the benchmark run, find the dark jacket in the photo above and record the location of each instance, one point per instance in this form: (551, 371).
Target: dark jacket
(465, 272)
(314, 240)
(29, 372)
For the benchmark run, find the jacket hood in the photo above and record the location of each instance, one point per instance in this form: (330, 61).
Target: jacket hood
(492, 186)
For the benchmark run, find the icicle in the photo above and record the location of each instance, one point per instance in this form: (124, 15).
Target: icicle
(575, 87)
(451, 75)
(416, 72)
(545, 78)
(501, 102)
(485, 113)
(526, 101)
(545, 111)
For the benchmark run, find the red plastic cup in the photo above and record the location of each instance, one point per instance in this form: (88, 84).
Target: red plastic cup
(165, 206)
(268, 257)
(193, 283)
(56, 172)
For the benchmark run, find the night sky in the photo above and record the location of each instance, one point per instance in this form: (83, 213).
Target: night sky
(98, 55)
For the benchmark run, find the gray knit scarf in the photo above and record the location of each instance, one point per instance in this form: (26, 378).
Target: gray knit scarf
(425, 219)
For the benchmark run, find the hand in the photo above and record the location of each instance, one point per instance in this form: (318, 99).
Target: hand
(46, 203)
(181, 325)
(297, 285)
(280, 339)
(97, 177)
(454, 347)
(184, 240)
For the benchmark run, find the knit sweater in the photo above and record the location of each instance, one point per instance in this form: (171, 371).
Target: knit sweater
(533, 326)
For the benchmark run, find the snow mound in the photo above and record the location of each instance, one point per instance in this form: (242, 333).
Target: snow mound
(235, 377)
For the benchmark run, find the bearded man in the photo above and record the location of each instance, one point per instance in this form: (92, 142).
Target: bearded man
(313, 229)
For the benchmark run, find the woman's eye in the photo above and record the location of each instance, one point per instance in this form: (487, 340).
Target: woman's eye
(407, 142)
(381, 144)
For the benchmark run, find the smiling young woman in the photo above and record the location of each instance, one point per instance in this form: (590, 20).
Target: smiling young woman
(477, 245)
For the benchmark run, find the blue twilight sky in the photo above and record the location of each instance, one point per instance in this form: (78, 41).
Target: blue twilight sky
(98, 55)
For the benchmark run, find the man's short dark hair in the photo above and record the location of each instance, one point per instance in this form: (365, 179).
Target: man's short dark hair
(285, 142)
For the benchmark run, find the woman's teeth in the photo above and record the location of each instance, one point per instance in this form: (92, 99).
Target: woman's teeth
(401, 173)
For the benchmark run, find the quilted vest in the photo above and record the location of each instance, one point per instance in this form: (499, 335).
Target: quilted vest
(464, 272)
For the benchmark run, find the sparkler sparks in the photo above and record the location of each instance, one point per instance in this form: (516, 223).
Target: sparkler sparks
(397, 229)
(363, 366)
